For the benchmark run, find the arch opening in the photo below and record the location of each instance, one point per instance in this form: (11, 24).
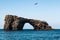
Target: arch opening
(27, 26)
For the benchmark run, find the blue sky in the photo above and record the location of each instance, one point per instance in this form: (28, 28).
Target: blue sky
(48, 10)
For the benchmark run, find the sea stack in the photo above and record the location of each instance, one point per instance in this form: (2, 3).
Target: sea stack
(13, 22)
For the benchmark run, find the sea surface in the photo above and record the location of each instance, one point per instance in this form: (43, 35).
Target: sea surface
(30, 35)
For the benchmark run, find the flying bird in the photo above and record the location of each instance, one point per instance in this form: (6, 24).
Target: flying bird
(36, 3)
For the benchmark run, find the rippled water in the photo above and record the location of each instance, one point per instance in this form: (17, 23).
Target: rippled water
(30, 35)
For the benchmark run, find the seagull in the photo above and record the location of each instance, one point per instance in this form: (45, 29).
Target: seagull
(36, 3)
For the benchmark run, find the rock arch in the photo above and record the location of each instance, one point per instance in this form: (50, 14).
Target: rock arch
(13, 22)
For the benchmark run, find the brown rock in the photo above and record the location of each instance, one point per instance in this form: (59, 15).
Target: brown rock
(48, 28)
(8, 22)
(38, 25)
(13, 22)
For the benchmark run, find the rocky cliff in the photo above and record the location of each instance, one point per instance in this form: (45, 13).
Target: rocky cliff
(13, 22)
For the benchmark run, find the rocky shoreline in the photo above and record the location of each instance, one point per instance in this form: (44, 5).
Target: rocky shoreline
(13, 22)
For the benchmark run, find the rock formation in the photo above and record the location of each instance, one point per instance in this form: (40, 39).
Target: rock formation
(13, 22)
(39, 25)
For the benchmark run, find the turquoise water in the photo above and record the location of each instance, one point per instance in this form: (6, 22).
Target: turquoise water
(30, 35)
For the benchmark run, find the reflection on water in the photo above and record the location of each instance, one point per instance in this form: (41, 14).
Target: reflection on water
(30, 35)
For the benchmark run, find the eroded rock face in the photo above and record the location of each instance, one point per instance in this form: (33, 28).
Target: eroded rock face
(17, 23)
(9, 19)
(39, 25)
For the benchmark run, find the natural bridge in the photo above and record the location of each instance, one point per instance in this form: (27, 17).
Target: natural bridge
(13, 22)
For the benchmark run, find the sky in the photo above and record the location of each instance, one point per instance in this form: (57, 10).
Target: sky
(46, 10)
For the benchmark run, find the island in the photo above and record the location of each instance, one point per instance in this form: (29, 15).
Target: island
(13, 22)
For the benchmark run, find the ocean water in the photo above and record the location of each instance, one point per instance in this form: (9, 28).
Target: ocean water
(30, 35)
